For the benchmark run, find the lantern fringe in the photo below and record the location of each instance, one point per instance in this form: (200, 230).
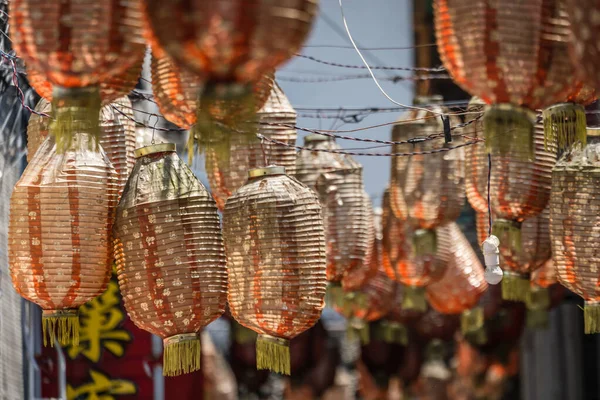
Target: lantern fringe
(509, 233)
(538, 298)
(223, 110)
(413, 298)
(472, 325)
(591, 316)
(508, 127)
(514, 287)
(273, 354)
(393, 332)
(538, 319)
(564, 124)
(334, 295)
(424, 242)
(75, 110)
(181, 356)
(358, 329)
(62, 327)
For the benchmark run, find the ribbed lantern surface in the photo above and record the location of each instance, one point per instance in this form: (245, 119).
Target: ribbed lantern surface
(402, 264)
(276, 260)
(337, 178)
(277, 121)
(512, 54)
(476, 159)
(170, 255)
(575, 225)
(462, 285)
(76, 45)
(62, 212)
(38, 127)
(426, 189)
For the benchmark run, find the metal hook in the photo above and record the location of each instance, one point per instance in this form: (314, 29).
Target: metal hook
(154, 128)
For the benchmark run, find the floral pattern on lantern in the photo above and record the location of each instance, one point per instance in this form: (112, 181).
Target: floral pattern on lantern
(275, 245)
(62, 213)
(170, 255)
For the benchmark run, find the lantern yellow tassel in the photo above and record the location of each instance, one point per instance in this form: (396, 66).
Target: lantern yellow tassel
(538, 298)
(273, 354)
(182, 354)
(472, 325)
(564, 124)
(393, 332)
(358, 329)
(515, 287)
(507, 127)
(424, 242)
(223, 110)
(508, 232)
(591, 316)
(75, 110)
(62, 326)
(334, 295)
(537, 319)
(413, 298)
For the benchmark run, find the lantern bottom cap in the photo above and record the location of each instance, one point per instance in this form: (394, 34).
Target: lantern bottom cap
(60, 326)
(591, 316)
(538, 319)
(515, 286)
(564, 124)
(273, 354)
(181, 354)
(508, 127)
(413, 298)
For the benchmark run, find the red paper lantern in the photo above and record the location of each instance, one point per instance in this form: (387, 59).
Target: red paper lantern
(76, 45)
(512, 55)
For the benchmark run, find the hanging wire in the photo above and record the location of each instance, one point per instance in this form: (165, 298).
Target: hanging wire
(489, 184)
(370, 67)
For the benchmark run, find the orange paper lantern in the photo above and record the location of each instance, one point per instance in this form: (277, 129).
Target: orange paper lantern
(574, 225)
(76, 45)
(62, 212)
(275, 246)
(512, 55)
(170, 255)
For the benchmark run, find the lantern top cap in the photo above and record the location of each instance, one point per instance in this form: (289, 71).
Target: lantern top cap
(266, 171)
(431, 99)
(315, 137)
(593, 132)
(154, 148)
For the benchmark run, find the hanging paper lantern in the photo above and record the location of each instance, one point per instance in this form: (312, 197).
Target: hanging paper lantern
(430, 186)
(402, 265)
(117, 139)
(76, 45)
(252, 40)
(544, 293)
(463, 284)
(276, 261)
(394, 328)
(520, 261)
(60, 231)
(585, 26)
(277, 120)
(371, 303)
(512, 55)
(337, 179)
(476, 160)
(574, 225)
(169, 254)
(520, 189)
(111, 88)
(565, 123)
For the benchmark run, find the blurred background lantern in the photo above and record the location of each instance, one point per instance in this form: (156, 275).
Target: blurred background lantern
(62, 212)
(574, 225)
(276, 261)
(520, 189)
(76, 45)
(394, 326)
(170, 255)
(544, 294)
(111, 88)
(461, 286)
(277, 121)
(371, 303)
(427, 189)
(402, 265)
(435, 325)
(253, 40)
(337, 179)
(514, 57)
(117, 138)
(355, 278)
(532, 253)
(585, 27)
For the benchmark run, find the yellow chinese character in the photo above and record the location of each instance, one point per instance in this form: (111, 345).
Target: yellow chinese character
(99, 322)
(101, 387)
